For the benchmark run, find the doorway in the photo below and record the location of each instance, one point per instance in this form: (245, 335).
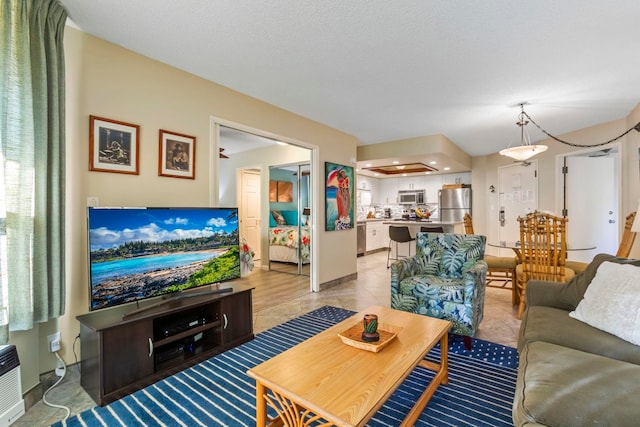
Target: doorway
(250, 210)
(590, 199)
(518, 195)
(245, 149)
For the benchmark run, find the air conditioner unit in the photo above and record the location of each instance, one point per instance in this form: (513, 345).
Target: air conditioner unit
(11, 401)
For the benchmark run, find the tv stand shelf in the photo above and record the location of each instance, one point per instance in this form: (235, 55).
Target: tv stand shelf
(185, 334)
(122, 353)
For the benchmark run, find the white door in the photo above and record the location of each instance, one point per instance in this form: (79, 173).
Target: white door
(250, 210)
(518, 195)
(591, 204)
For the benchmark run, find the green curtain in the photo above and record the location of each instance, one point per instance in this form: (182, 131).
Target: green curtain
(32, 169)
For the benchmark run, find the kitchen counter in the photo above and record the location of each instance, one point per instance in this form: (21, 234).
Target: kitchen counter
(414, 225)
(399, 221)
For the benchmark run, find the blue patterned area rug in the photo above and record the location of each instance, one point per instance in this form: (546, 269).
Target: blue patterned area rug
(218, 392)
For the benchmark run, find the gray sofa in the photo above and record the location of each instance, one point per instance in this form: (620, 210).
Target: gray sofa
(571, 374)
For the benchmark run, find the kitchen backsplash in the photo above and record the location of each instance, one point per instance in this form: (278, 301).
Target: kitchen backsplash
(395, 211)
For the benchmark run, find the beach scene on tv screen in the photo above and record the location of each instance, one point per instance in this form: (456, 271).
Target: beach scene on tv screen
(140, 253)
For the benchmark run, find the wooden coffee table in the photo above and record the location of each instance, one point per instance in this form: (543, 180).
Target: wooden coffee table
(339, 384)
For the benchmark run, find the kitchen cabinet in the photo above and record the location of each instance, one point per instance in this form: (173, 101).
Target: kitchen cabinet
(384, 191)
(364, 197)
(457, 178)
(367, 183)
(368, 191)
(377, 235)
(434, 184)
(411, 183)
(388, 191)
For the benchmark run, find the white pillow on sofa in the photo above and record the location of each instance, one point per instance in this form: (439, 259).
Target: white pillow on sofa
(612, 301)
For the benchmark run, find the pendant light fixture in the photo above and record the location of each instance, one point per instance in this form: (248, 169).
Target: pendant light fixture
(525, 150)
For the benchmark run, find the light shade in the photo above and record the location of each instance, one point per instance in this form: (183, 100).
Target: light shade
(523, 152)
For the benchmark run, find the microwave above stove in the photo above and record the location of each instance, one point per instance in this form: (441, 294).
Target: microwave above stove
(411, 197)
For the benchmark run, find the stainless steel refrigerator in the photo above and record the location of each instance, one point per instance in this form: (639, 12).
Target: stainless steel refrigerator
(454, 203)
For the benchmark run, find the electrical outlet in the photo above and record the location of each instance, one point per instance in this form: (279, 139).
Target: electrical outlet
(54, 342)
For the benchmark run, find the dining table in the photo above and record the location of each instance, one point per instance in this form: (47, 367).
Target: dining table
(515, 246)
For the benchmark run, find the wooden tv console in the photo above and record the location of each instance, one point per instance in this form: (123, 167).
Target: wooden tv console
(123, 354)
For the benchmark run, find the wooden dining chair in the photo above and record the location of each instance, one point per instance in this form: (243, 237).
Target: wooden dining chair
(501, 269)
(543, 251)
(468, 224)
(624, 248)
(628, 237)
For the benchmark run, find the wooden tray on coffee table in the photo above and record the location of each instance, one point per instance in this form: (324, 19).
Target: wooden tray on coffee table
(353, 337)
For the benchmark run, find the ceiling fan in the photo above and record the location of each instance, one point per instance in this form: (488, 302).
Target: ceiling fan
(222, 155)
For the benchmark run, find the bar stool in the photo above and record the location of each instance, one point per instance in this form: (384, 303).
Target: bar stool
(398, 234)
(432, 229)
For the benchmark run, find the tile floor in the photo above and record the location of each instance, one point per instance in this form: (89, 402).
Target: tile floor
(500, 325)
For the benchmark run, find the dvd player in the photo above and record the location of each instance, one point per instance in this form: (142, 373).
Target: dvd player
(180, 323)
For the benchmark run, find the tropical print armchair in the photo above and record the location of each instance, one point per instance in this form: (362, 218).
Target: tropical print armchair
(445, 279)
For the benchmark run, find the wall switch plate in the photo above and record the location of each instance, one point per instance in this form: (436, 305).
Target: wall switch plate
(93, 202)
(54, 342)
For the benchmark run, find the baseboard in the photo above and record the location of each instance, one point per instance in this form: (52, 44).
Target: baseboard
(338, 281)
(376, 250)
(47, 379)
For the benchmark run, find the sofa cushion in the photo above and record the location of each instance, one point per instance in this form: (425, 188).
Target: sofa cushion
(560, 386)
(554, 326)
(611, 301)
(568, 274)
(574, 291)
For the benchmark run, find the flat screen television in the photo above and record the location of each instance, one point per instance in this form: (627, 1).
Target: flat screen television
(140, 253)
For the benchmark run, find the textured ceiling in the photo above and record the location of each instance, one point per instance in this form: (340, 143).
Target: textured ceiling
(385, 70)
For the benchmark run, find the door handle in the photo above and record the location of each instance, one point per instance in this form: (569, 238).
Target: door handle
(150, 347)
(226, 321)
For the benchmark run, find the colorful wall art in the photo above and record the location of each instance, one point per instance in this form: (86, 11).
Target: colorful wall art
(339, 197)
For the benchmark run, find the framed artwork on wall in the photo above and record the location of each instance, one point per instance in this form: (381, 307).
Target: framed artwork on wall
(339, 197)
(177, 157)
(285, 191)
(113, 146)
(273, 191)
(280, 191)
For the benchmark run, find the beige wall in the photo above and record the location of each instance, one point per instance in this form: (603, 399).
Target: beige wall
(108, 81)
